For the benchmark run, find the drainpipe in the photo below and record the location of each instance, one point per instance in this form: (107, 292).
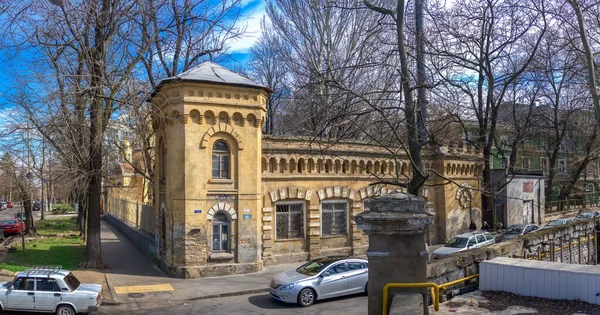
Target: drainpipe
(539, 201)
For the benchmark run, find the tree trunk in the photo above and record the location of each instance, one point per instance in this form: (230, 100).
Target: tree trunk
(487, 197)
(27, 210)
(93, 248)
(422, 102)
(414, 146)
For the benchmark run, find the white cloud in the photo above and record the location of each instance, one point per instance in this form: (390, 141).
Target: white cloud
(252, 27)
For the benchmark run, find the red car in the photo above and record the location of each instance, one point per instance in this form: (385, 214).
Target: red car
(12, 226)
(9, 204)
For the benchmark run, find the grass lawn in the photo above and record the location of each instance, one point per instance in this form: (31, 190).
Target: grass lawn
(62, 208)
(65, 251)
(56, 226)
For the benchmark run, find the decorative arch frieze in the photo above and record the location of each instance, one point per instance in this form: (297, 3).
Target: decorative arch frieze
(336, 192)
(374, 191)
(290, 192)
(221, 206)
(221, 127)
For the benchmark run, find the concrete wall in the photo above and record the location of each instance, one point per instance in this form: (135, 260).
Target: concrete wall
(519, 191)
(515, 198)
(142, 240)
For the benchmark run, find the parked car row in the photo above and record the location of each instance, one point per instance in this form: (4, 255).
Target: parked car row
(5, 205)
(471, 240)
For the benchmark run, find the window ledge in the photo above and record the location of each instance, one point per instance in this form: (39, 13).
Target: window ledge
(334, 236)
(290, 239)
(221, 255)
(220, 181)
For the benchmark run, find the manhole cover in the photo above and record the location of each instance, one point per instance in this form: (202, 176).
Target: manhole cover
(136, 295)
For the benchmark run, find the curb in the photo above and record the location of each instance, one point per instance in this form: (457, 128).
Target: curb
(205, 297)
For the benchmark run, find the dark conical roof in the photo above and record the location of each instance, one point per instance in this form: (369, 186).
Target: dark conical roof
(210, 72)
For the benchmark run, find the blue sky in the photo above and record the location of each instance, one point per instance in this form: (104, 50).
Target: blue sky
(15, 63)
(239, 51)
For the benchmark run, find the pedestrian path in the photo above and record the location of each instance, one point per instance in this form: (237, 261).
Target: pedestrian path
(135, 278)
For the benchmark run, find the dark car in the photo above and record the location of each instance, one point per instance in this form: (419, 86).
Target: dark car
(18, 216)
(519, 229)
(36, 205)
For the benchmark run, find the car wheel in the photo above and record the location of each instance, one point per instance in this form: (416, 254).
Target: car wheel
(367, 289)
(306, 297)
(65, 310)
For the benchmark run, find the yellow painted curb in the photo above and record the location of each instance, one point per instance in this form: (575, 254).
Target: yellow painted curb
(144, 288)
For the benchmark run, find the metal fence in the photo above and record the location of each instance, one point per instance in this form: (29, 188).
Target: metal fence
(576, 202)
(137, 214)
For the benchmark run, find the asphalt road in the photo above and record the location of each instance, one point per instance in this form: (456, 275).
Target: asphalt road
(244, 304)
(9, 213)
(256, 304)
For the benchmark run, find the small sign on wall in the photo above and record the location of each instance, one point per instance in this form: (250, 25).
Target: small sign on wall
(247, 216)
(246, 210)
(528, 187)
(197, 211)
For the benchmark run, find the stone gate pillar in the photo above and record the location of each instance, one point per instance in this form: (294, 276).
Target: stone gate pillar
(396, 224)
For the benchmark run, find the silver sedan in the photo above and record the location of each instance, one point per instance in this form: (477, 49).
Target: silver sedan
(320, 279)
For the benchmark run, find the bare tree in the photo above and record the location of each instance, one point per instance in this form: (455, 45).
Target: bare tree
(266, 68)
(481, 49)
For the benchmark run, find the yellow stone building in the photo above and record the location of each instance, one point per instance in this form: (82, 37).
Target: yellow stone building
(230, 199)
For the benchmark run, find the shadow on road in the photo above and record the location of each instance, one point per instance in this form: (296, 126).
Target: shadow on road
(265, 301)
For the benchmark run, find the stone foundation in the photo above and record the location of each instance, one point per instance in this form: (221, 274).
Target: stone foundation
(214, 270)
(275, 259)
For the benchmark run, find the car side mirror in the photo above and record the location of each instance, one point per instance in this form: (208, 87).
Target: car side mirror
(325, 274)
(8, 285)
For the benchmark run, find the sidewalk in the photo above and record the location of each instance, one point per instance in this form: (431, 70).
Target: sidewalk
(137, 279)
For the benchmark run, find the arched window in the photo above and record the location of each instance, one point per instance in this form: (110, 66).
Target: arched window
(220, 160)
(221, 232)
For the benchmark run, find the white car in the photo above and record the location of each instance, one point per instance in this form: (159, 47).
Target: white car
(463, 242)
(557, 222)
(49, 290)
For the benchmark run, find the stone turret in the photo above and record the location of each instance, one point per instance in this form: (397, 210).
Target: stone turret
(208, 126)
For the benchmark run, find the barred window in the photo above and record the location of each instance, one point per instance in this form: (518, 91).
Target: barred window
(289, 221)
(333, 218)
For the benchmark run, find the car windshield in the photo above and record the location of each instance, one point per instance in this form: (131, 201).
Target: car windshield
(9, 222)
(585, 215)
(458, 242)
(554, 223)
(313, 267)
(72, 282)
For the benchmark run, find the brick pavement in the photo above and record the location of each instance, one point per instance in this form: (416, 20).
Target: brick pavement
(131, 267)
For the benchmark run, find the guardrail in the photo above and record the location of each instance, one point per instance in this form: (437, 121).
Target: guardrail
(435, 290)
